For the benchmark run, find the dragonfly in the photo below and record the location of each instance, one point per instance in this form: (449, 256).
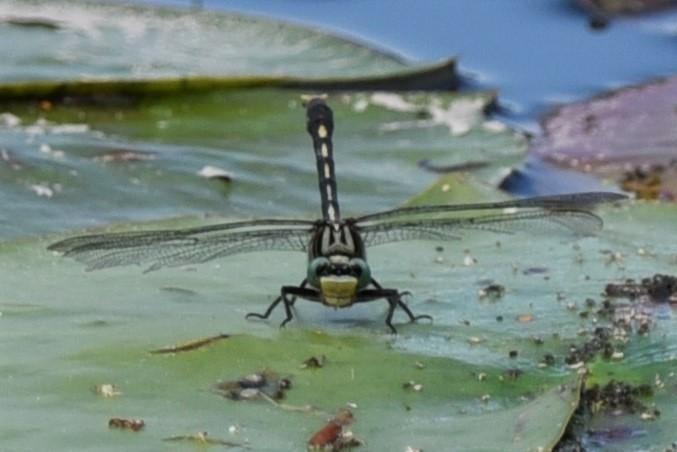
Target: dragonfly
(337, 274)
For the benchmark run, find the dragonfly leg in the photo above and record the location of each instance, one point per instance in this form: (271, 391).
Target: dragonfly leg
(394, 299)
(392, 304)
(292, 299)
(288, 295)
(266, 314)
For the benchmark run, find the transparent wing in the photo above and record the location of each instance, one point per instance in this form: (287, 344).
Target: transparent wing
(571, 201)
(572, 222)
(170, 248)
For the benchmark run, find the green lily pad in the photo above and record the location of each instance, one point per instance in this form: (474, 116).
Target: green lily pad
(85, 40)
(86, 165)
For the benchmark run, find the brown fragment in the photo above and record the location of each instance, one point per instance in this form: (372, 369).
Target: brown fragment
(126, 424)
(201, 438)
(329, 436)
(314, 362)
(190, 346)
(524, 318)
(124, 155)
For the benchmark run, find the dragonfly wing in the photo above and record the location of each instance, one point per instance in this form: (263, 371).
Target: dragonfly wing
(570, 201)
(571, 222)
(172, 248)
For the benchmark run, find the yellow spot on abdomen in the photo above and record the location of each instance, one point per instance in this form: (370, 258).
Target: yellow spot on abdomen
(322, 131)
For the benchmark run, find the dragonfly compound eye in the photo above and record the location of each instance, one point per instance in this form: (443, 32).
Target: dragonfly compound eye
(317, 267)
(361, 271)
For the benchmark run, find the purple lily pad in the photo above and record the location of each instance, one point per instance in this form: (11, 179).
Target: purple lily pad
(628, 135)
(617, 7)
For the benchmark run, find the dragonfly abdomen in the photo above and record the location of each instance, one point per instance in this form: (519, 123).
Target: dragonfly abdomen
(320, 126)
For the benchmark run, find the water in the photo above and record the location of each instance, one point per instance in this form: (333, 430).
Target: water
(537, 53)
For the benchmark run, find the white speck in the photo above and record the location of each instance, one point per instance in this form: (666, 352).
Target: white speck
(468, 260)
(162, 124)
(360, 105)
(42, 190)
(233, 429)
(494, 126)
(47, 149)
(69, 128)
(352, 405)
(9, 120)
(392, 101)
(107, 390)
(211, 172)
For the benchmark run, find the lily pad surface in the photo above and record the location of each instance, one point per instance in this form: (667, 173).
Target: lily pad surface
(70, 166)
(67, 40)
(628, 135)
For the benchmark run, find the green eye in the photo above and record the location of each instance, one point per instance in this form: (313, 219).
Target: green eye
(315, 268)
(361, 270)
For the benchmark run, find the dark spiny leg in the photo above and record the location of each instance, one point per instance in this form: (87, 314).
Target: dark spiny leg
(405, 308)
(288, 303)
(266, 314)
(303, 285)
(288, 295)
(392, 304)
(397, 298)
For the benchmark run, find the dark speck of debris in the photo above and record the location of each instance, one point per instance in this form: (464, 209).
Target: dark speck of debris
(499, 318)
(658, 288)
(492, 292)
(513, 353)
(134, 425)
(616, 395)
(252, 386)
(314, 362)
(537, 340)
(549, 359)
(589, 302)
(514, 374)
(439, 249)
(600, 342)
(534, 270)
(443, 169)
(598, 22)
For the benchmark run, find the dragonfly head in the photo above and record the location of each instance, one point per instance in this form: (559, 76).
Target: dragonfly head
(338, 278)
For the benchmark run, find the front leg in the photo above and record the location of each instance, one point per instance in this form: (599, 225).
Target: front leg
(394, 299)
(288, 295)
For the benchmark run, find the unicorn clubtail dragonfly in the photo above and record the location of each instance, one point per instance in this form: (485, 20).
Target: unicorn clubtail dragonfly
(338, 275)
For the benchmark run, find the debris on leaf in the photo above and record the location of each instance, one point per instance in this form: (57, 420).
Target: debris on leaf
(616, 397)
(212, 172)
(106, 390)
(201, 438)
(411, 385)
(601, 341)
(524, 318)
(126, 424)
(191, 345)
(457, 168)
(492, 292)
(332, 436)
(265, 384)
(124, 155)
(658, 288)
(314, 362)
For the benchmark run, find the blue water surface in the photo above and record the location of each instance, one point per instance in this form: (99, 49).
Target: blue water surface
(538, 53)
